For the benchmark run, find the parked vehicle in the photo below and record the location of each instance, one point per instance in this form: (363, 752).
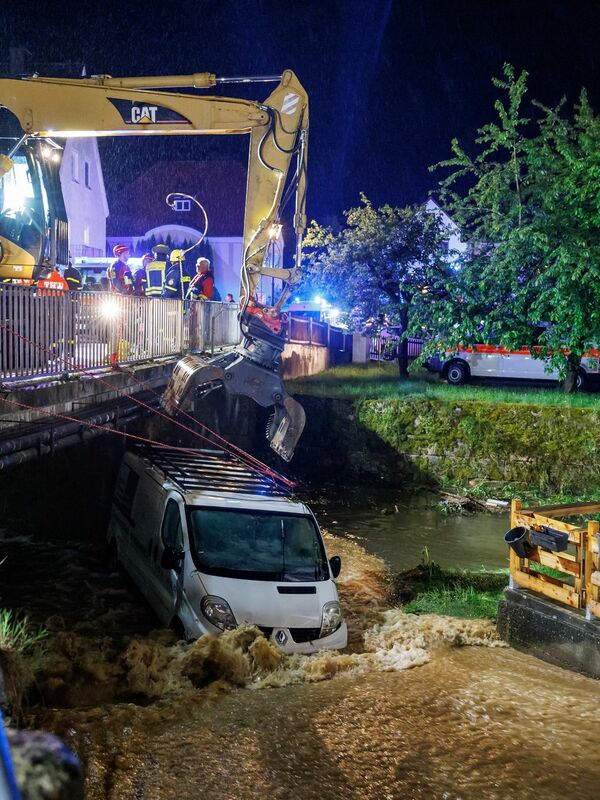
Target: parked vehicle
(212, 545)
(494, 361)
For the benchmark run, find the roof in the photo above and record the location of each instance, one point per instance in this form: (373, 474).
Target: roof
(211, 470)
(219, 185)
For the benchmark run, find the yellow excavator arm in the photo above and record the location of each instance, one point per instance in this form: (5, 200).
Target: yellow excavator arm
(278, 130)
(105, 106)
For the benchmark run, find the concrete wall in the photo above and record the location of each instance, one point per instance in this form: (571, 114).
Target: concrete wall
(300, 360)
(361, 348)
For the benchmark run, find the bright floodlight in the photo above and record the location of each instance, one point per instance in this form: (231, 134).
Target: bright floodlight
(109, 309)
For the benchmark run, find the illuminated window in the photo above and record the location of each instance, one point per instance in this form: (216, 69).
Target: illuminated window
(182, 205)
(16, 190)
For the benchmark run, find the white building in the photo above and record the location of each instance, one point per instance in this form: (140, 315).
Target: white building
(454, 244)
(85, 197)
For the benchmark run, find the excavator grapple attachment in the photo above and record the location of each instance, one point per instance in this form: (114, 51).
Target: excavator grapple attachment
(285, 427)
(239, 375)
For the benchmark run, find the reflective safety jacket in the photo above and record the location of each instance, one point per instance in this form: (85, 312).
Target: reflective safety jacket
(73, 278)
(53, 285)
(120, 277)
(172, 288)
(202, 285)
(155, 278)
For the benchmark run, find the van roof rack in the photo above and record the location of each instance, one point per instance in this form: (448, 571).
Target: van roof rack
(199, 469)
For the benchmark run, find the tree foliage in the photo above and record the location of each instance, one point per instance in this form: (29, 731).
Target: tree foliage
(528, 202)
(383, 265)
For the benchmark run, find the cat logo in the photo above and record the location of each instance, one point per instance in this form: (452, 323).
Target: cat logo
(143, 115)
(138, 113)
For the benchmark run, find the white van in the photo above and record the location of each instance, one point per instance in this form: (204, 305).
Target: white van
(212, 545)
(494, 361)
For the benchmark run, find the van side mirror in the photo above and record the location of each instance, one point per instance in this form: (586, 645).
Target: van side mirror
(172, 558)
(335, 564)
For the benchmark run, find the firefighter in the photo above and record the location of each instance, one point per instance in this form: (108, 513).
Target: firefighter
(119, 274)
(173, 283)
(156, 270)
(140, 280)
(52, 284)
(73, 278)
(202, 286)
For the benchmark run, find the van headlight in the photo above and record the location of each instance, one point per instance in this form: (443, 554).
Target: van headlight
(331, 618)
(217, 611)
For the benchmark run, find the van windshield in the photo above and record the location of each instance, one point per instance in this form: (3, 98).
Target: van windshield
(256, 545)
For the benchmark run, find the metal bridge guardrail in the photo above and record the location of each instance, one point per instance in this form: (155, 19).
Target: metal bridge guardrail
(46, 333)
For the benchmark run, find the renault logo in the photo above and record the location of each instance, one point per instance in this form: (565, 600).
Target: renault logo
(280, 638)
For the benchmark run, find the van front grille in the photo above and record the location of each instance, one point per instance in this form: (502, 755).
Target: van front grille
(301, 635)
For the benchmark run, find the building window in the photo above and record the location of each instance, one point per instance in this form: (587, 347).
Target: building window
(75, 166)
(86, 234)
(182, 205)
(86, 173)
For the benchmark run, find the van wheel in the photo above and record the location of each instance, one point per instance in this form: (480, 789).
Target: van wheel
(457, 373)
(581, 380)
(177, 627)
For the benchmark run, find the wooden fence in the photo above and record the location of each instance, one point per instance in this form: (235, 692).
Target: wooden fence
(574, 578)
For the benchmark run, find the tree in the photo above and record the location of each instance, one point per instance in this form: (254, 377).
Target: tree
(383, 265)
(529, 204)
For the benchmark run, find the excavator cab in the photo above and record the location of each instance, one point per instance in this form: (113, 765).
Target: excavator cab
(33, 221)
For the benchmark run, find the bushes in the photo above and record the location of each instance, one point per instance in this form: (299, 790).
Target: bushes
(21, 648)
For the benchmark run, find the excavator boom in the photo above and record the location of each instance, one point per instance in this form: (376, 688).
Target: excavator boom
(278, 131)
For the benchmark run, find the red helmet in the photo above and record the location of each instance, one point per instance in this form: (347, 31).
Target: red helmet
(119, 249)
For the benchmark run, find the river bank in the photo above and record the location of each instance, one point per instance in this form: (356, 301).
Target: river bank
(539, 452)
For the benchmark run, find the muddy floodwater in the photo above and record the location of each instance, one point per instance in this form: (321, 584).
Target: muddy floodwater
(399, 529)
(417, 707)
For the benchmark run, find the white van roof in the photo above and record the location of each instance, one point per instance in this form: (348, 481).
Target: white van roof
(209, 475)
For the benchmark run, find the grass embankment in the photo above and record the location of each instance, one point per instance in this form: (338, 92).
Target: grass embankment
(429, 589)
(21, 649)
(480, 441)
(380, 381)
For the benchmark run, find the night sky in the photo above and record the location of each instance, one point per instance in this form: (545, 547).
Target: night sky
(390, 82)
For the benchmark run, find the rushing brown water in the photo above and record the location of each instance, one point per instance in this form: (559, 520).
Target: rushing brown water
(417, 707)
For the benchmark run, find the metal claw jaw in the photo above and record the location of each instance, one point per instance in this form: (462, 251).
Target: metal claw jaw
(240, 375)
(285, 427)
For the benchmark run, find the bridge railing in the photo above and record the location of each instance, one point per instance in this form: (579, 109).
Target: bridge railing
(45, 333)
